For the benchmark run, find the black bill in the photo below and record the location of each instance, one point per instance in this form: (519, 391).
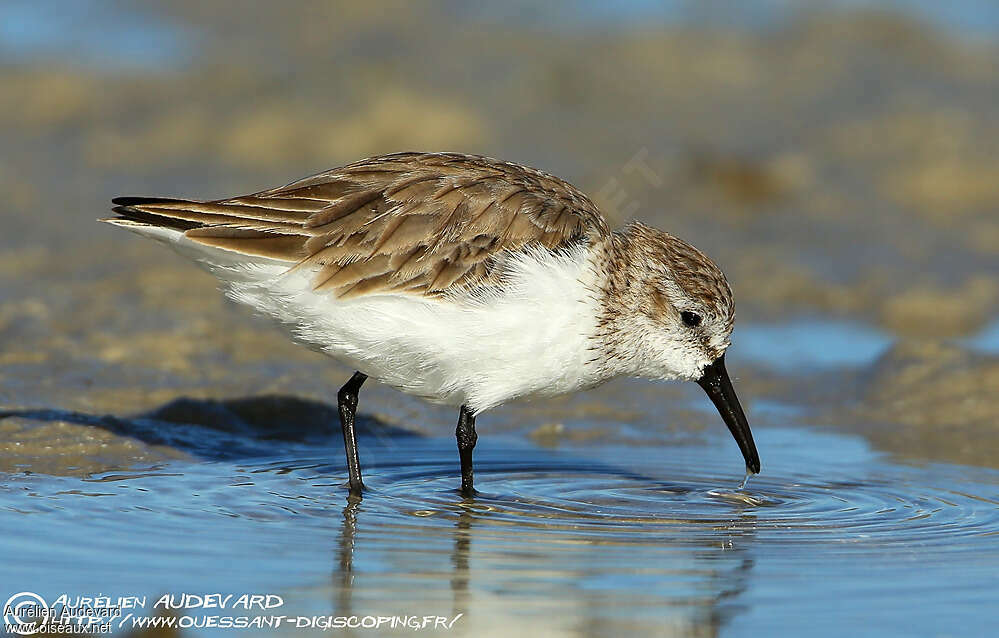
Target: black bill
(716, 383)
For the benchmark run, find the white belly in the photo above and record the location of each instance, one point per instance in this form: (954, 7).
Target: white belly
(533, 339)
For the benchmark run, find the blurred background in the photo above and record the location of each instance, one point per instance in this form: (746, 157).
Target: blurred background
(838, 159)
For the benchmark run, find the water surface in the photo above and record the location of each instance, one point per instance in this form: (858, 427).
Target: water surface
(579, 540)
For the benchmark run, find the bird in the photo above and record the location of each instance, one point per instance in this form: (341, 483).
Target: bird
(463, 280)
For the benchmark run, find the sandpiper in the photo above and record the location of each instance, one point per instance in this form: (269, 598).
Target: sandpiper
(463, 280)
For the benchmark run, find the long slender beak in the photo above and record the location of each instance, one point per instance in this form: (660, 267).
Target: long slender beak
(716, 383)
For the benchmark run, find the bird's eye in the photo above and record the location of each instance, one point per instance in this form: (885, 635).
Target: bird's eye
(690, 319)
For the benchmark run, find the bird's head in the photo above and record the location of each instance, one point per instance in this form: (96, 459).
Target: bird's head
(670, 315)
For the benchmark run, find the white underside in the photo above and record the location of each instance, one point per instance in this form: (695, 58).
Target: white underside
(532, 339)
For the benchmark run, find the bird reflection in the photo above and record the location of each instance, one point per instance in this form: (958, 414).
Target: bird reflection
(597, 582)
(459, 559)
(345, 556)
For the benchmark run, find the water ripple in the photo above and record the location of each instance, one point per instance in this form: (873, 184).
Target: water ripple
(655, 528)
(566, 495)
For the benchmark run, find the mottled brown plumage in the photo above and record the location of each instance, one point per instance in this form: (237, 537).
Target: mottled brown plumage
(652, 276)
(463, 280)
(420, 223)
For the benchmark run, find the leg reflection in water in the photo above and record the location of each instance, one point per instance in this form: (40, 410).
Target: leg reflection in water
(527, 566)
(345, 556)
(459, 561)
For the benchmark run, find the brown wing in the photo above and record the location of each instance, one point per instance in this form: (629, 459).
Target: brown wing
(423, 223)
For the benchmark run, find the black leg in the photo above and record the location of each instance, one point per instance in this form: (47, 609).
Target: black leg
(466, 436)
(347, 400)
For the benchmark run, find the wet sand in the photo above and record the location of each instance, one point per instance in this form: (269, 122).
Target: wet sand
(835, 168)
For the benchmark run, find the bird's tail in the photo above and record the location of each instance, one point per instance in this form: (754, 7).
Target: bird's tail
(214, 226)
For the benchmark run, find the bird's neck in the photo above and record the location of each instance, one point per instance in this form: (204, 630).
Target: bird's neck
(617, 288)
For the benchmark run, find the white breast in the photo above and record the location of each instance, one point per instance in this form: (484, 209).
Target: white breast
(531, 339)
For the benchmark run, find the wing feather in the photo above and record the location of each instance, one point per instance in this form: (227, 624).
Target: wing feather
(421, 223)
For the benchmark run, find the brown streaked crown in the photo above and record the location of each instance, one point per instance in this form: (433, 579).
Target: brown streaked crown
(651, 277)
(693, 271)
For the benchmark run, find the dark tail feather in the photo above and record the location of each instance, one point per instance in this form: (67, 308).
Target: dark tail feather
(146, 201)
(144, 209)
(209, 225)
(125, 211)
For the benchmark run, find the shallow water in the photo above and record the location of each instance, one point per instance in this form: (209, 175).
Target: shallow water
(148, 39)
(578, 540)
(810, 344)
(987, 340)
